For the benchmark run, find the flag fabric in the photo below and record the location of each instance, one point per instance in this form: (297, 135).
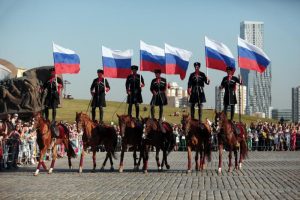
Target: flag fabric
(66, 61)
(218, 56)
(252, 57)
(151, 58)
(177, 60)
(116, 64)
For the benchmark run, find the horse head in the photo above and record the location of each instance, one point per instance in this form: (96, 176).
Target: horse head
(80, 119)
(125, 121)
(150, 125)
(41, 125)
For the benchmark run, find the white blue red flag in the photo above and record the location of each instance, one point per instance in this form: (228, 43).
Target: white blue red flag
(252, 57)
(66, 61)
(177, 60)
(151, 58)
(116, 64)
(218, 56)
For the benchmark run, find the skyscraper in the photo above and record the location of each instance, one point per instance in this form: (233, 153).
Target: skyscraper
(296, 104)
(258, 85)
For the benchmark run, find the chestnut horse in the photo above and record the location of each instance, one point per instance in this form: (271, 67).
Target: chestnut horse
(232, 140)
(44, 139)
(198, 136)
(161, 137)
(95, 135)
(131, 132)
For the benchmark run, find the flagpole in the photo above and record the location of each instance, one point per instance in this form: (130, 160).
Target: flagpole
(240, 112)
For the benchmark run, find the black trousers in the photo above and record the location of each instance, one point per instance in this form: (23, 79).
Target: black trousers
(161, 111)
(137, 110)
(46, 111)
(231, 111)
(100, 113)
(200, 106)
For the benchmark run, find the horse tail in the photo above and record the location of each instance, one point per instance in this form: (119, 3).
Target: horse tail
(244, 149)
(114, 142)
(207, 146)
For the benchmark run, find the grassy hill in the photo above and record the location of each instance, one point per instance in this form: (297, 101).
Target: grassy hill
(70, 107)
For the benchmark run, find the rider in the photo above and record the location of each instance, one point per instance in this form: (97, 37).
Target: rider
(53, 87)
(98, 90)
(196, 91)
(229, 84)
(134, 84)
(158, 88)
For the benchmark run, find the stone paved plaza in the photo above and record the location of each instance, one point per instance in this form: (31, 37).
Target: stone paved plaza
(265, 175)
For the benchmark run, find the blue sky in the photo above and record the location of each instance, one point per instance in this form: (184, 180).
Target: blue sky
(28, 28)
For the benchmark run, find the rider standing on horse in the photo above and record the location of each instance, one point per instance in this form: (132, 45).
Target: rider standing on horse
(98, 90)
(134, 84)
(53, 87)
(196, 90)
(158, 88)
(229, 84)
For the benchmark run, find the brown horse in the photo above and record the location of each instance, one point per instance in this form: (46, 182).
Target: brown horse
(198, 137)
(161, 137)
(131, 132)
(95, 135)
(44, 139)
(232, 140)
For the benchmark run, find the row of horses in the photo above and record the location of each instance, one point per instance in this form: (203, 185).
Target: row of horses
(140, 136)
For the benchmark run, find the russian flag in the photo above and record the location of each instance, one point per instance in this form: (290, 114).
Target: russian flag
(116, 64)
(65, 60)
(177, 60)
(151, 58)
(252, 57)
(218, 56)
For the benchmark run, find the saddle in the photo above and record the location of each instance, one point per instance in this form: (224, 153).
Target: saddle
(54, 129)
(236, 130)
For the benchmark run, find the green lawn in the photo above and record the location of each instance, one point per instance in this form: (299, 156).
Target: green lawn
(70, 107)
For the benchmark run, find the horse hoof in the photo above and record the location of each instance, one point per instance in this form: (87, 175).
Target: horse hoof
(35, 174)
(189, 171)
(204, 166)
(229, 170)
(50, 171)
(145, 171)
(240, 165)
(102, 169)
(70, 167)
(120, 170)
(219, 171)
(93, 171)
(80, 170)
(112, 169)
(168, 166)
(159, 168)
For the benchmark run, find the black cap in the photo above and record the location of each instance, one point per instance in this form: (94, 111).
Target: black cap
(197, 64)
(100, 71)
(157, 71)
(134, 67)
(229, 69)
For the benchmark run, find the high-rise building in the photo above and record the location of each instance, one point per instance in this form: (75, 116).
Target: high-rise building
(258, 85)
(219, 96)
(284, 114)
(296, 104)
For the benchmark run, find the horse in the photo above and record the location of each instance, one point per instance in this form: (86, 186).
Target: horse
(131, 132)
(44, 140)
(198, 137)
(161, 137)
(232, 140)
(94, 135)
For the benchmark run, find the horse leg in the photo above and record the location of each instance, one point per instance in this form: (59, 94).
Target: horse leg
(220, 158)
(241, 158)
(189, 150)
(42, 153)
(54, 156)
(166, 160)
(111, 162)
(146, 157)
(197, 164)
(236, 158)
(69, 145)
(105, 160)
(140, 158)
(94, 160)
(122, 157)
(229, 158)
(134, 159)
(157, 158)
(81, 159)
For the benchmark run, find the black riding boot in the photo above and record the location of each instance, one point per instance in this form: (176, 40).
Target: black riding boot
(137, 111)
(152, 111)
(101, 114)
(130, 110)
(193, 111)
(93, 113)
